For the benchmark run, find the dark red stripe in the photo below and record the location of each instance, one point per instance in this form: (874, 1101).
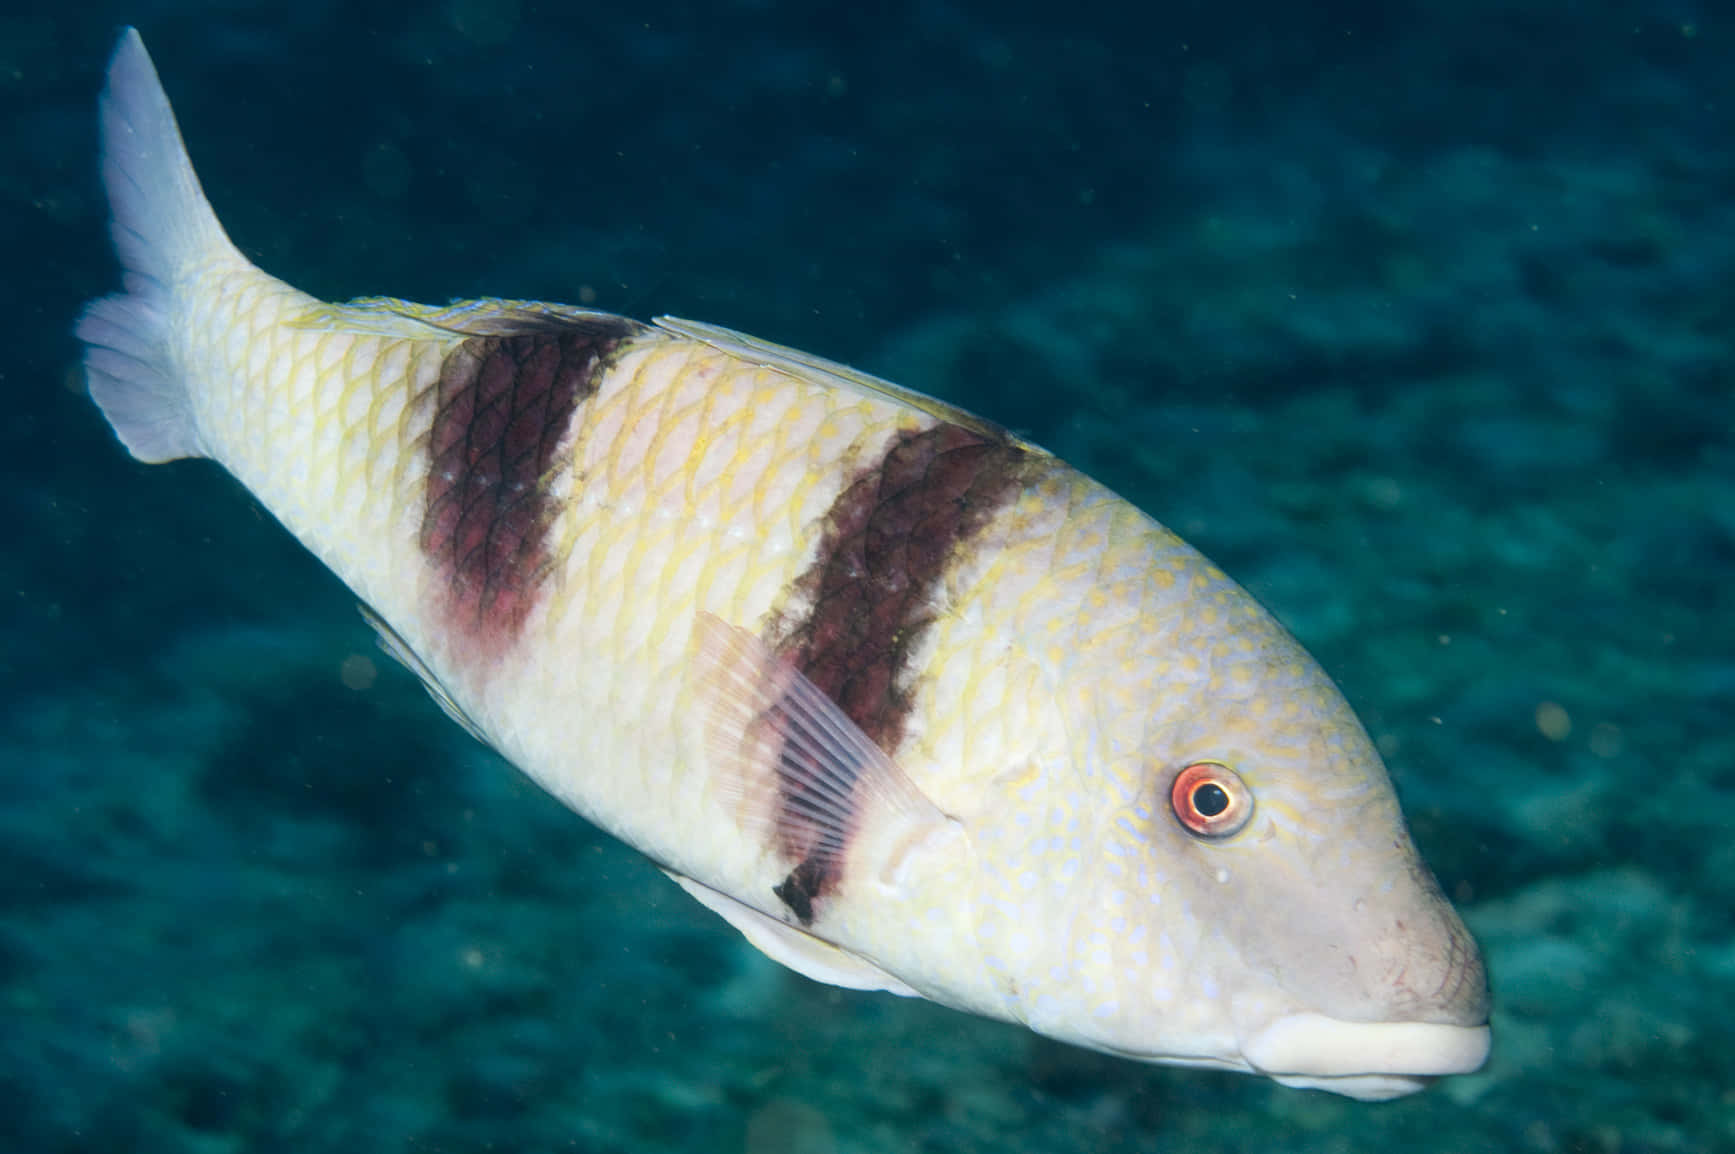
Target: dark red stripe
(504, 402)
(889, 537)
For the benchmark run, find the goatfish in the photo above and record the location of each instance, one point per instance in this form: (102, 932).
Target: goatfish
(909, 702)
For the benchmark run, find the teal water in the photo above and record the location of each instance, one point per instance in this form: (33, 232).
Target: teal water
(1417, 321)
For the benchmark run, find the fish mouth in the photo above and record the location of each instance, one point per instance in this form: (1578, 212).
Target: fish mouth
(1367, 1060)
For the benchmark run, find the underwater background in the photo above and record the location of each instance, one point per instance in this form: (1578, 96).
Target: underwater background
(1417, 318)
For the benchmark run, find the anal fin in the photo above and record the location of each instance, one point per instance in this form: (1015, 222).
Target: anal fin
(399, 649)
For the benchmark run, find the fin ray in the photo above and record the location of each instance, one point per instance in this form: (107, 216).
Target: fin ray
(761, 711)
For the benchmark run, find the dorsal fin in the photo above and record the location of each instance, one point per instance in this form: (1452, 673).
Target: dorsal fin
(493, 317)
(482, 317)
(818, 370)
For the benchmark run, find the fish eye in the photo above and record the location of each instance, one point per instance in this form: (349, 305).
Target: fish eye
(1210, 799)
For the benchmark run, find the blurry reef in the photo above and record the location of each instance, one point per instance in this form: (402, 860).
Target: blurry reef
(1416, 318)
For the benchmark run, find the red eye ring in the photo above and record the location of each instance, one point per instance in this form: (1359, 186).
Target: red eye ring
(1210, 799)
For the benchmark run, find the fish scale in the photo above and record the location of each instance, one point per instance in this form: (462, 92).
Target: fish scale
(909, 702)
(346, 483)
(640, 566)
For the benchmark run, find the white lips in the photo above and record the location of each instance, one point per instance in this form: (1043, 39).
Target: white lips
(1369, 1060)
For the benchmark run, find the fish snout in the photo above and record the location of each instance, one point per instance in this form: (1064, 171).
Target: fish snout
(1421, 1013)
(1439, 976)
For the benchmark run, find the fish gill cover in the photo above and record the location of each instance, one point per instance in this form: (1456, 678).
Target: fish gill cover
(1415, 320)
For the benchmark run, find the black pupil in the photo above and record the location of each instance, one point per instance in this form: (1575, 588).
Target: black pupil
(1210, 799)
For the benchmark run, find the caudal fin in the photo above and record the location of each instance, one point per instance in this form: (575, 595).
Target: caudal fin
(162, 226)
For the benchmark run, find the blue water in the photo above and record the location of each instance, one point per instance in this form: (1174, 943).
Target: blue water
(1416, 318)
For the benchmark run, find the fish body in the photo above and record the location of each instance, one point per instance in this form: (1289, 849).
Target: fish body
(909, 701)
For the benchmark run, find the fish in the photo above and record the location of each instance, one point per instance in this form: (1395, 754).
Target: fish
(908, 701)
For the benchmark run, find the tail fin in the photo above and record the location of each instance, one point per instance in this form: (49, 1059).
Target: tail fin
(161, 224)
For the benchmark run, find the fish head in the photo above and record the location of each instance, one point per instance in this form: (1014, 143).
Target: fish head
(1327, 946)
(1241, 890)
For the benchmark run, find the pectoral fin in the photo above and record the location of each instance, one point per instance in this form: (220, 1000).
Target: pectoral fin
(797, 772)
